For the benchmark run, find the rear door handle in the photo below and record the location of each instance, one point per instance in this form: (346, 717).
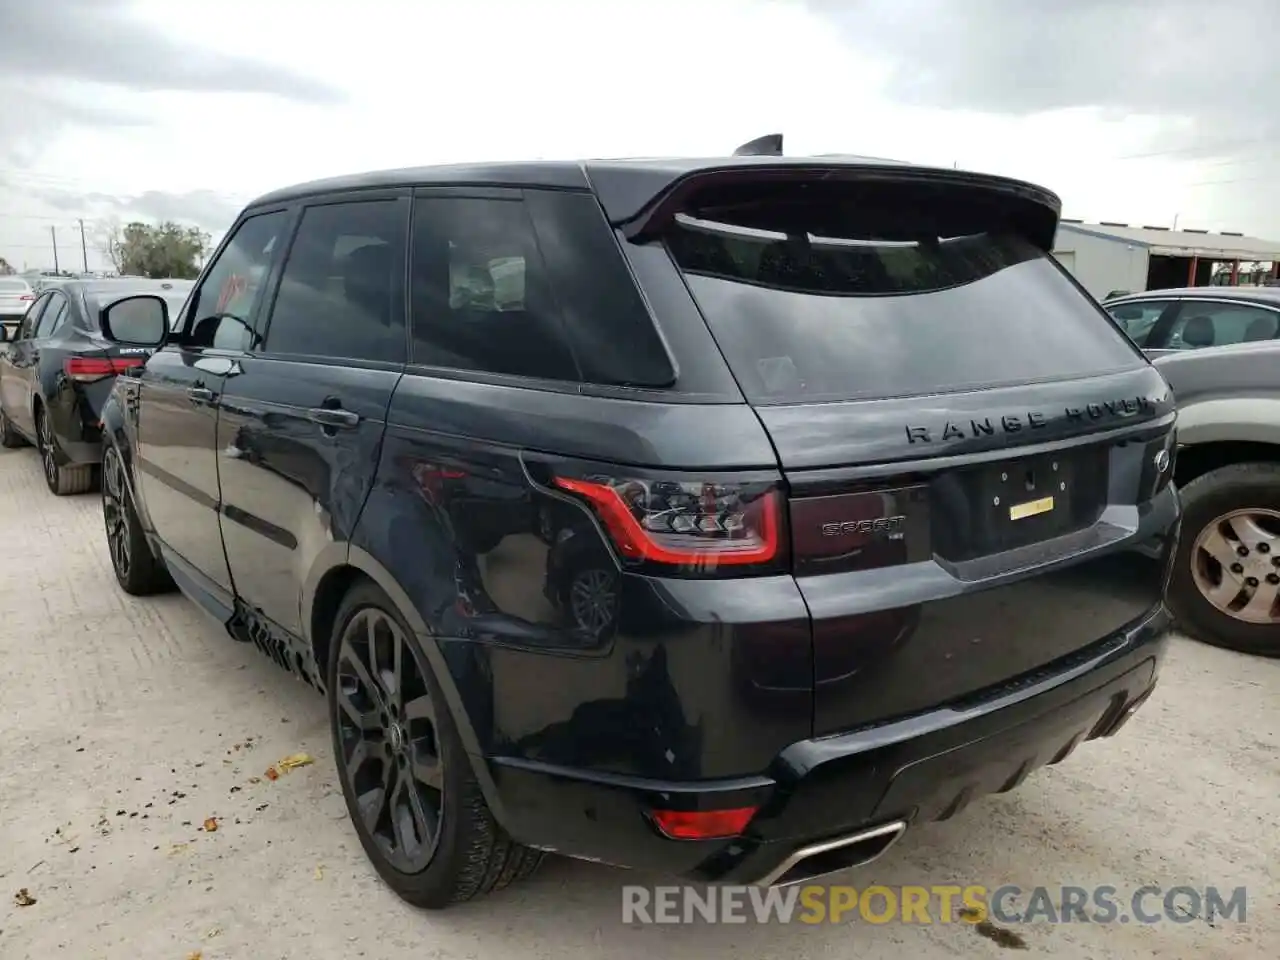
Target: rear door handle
(200, 395)
(333, 418)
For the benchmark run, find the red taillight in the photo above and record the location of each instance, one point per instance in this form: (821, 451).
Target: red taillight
(703, 824)
(27, 296)
(700, 525)
(86, 369)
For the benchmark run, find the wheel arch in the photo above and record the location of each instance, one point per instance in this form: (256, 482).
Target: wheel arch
(1197, 459)
(338, 568)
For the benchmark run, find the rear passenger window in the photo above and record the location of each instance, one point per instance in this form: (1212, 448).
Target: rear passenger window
(341, 291)
(479, 291)
(605, 319)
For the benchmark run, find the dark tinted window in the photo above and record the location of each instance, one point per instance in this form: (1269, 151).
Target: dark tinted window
(479, 291)
(605, 319)
(838, 310)
(341, 291)
(224, 303)
(54, 312)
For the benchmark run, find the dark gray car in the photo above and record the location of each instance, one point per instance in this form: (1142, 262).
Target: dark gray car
(1226, 579)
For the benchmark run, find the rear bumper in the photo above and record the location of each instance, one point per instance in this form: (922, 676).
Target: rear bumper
(922, 768)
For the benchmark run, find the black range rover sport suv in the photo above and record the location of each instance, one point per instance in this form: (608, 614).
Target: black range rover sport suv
(722, 517)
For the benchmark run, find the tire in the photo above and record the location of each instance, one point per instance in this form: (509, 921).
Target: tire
(1209, 497)
(138, 570)
(10, 438)
(471, 855)
(63, 480)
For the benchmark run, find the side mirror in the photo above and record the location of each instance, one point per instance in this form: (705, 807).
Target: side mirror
(139, 321)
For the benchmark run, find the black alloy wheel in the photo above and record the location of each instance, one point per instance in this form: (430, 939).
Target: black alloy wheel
(9, 436)
(409, 784)
(114, 514)
(48, 454)
(386, 731)
(139, 571)
(62, 480)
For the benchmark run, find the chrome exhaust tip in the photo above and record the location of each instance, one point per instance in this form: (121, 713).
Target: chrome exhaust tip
(832, 856)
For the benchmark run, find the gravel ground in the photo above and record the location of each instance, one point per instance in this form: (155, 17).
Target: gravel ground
(128, 723)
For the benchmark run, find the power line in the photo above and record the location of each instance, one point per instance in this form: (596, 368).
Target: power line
(1206, 149)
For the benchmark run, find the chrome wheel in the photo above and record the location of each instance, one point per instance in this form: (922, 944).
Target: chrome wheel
(1235, 563)
(387, 739)
(115, 511)
(47, 458)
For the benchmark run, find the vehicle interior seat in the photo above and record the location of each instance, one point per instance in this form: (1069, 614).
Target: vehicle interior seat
(1199, 332)
(1262, 328)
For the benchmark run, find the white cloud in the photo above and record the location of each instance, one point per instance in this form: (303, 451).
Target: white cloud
(329, 87)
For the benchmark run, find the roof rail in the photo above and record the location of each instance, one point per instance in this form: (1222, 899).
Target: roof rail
(770, 145)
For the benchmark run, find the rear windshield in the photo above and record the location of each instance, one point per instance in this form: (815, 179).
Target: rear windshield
(837, 314)
(9, 286)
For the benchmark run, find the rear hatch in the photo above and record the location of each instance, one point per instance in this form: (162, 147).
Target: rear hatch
(968, 441)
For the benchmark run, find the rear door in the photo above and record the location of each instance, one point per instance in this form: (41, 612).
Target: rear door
(13, 391)
(26, 359)
(301, 422)
(965, 436)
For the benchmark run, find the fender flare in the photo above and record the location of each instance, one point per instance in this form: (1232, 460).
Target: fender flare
(341, 554)
(1239, 419)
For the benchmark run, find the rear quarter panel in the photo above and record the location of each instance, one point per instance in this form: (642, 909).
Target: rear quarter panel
(483, 556)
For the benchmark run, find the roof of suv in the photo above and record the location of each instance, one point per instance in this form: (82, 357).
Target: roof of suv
(625, 186)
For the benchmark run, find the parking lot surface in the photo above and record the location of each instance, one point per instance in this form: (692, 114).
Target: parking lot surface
(129, 723)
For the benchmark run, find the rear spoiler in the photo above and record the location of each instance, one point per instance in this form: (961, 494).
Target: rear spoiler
(642, 202)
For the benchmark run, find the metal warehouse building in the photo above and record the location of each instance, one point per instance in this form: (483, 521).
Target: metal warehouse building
(1106, 257)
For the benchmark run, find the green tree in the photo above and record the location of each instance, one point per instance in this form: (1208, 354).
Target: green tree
(158, 250)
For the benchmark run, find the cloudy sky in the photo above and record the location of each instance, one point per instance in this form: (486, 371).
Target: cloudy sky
(1132, 110)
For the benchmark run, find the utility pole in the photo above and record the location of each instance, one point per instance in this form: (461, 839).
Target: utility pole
(53, 232)
(84, 249)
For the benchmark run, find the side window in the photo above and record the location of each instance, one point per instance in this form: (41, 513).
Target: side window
(1137, 319)
(53, 313)
(605, 319)
(479, 294)
(221, 309)
(342, 289)
(32, 317)
(1216, 324)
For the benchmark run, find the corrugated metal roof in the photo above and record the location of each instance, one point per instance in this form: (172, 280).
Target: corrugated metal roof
(1181, 243)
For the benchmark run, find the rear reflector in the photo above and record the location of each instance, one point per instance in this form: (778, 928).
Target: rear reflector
(703, 824)
(698, 525)
(86, 369)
